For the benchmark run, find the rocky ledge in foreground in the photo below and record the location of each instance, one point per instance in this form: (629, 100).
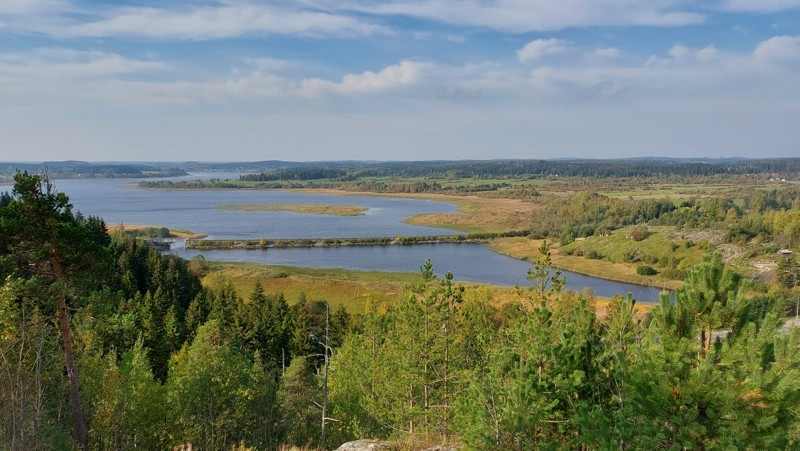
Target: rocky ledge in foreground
(379, 445)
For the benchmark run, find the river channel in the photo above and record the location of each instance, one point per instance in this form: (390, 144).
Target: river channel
(117, 202)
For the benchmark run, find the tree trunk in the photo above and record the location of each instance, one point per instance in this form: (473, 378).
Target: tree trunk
(79, 431)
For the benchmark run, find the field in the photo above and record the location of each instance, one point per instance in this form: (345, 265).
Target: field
(355, 290)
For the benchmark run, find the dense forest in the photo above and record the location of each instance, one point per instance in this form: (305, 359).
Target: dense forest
(83, 169)
(107, 344)
(533, 168)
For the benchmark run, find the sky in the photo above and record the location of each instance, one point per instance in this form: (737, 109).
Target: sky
(247, 80)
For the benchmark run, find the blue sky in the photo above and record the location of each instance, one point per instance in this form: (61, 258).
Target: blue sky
(224, 80)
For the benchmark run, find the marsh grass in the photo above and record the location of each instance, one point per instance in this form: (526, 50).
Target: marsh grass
(479, 214)
(355, 290)
(605, 268)
(317, 209)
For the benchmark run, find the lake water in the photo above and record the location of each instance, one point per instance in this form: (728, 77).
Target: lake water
(117, 203)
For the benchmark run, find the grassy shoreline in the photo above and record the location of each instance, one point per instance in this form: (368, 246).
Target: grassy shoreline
(353, 289)
(317, 209)
(174, 233)
(527, 249)
(480, 214)
(490, 214)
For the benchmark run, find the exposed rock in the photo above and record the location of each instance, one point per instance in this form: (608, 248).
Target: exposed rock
(367, 445)
(378, 445)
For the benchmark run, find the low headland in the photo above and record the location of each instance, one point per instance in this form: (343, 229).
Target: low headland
(317, 209)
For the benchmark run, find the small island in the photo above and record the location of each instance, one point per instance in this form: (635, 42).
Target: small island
(317, 209)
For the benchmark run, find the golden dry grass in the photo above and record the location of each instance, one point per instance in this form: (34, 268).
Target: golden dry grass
(527, 249)
(317, 209)
(480, 214)
(477, 214)
(179, 233)
(355, 290)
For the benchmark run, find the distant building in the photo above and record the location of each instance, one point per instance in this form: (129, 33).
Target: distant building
(785, 253)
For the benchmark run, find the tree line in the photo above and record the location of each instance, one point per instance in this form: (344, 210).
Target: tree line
(789, 167)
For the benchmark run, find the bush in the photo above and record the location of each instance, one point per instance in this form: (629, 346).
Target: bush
(631, 256)
(639, 233)
(644, 270)
(674, 273)
(594, 255)
(650, 259)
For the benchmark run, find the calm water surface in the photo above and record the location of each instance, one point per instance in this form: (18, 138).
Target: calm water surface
(118, 203)
(467, 262)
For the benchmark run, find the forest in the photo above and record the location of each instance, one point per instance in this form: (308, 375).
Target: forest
(107, 344)
(83, 169)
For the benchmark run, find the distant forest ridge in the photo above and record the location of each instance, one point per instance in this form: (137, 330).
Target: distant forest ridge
(345, 171)
(83, 169)
(274, 170)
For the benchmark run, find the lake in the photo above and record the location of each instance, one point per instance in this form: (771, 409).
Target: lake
(118, 203)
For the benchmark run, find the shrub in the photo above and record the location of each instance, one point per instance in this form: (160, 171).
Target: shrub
(674, 273)
(650, 259)
(594, 255)
(639, 233)
(631, 256)
(644, 270)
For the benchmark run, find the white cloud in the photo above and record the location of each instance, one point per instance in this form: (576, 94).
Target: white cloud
(22, 7)
(529, 15)
(212, 21)
(403, 74)
(539, 48)
(779, 48)
(222, 22)
(681, 52)
(759, 6)
(56, 62)
(606, 52)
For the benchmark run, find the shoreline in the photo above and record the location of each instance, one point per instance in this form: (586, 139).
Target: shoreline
(474, 209)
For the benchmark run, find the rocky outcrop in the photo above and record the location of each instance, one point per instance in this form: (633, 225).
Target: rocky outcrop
(378, 445)
(367, 445)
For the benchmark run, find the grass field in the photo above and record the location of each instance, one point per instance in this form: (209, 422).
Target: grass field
(477, 214)
(480, 214)
(528, 249)
(355, 290)
(317, 209)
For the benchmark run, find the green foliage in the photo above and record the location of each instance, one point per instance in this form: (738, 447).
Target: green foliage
(129, 411)
(644, 270)
(300, 417)
(165, 362)
(218, 396)
(788, 272)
